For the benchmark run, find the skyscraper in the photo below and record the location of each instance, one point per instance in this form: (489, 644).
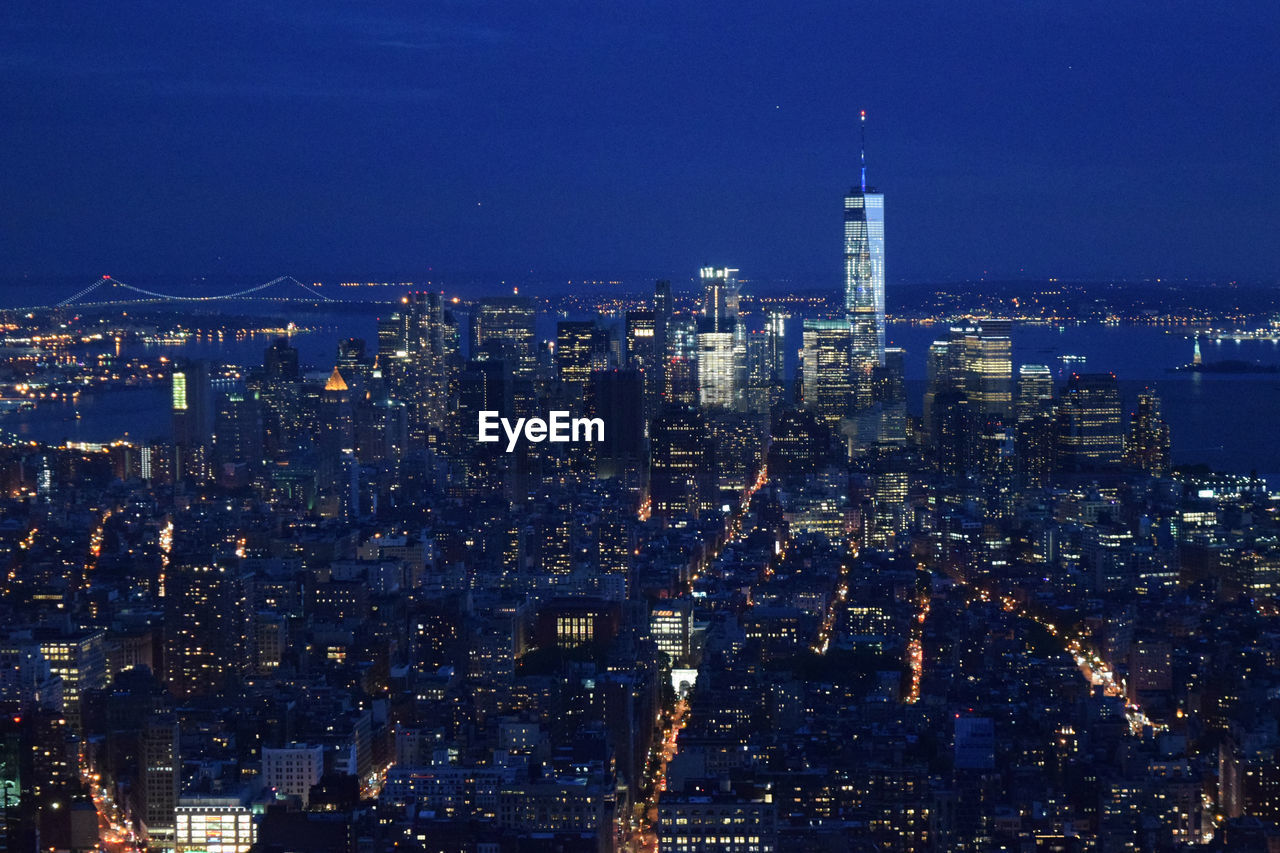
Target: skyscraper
(1035, 430)
(719, 299)
(612, 396)
(576, 343)
(988, 366)
(826, 361)
(642, 354)
(193, 416)
(662, 310)
(719, 357)
(336, 441)
(503, 327)
(1147, 445)
(430, 340)
(680, 469)
(278, 386)
(1035, 391)
(717, 370)
(1090, 433)
(864, 269)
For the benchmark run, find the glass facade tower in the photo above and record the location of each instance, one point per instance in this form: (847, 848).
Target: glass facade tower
(864, 271)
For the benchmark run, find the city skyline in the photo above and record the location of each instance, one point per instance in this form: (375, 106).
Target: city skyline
(586, 475)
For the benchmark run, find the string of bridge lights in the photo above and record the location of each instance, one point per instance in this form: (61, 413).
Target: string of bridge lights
(108, 281)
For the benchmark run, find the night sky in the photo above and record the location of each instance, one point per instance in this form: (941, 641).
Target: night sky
(538, 140)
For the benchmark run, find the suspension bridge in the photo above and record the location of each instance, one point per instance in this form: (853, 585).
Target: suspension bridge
(108, 291)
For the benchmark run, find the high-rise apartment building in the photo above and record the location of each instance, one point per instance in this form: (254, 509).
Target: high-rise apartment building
(208, 618)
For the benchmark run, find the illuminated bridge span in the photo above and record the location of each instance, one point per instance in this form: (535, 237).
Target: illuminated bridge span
(107, 290)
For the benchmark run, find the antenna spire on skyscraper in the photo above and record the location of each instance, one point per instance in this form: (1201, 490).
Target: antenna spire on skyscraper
(862, 151)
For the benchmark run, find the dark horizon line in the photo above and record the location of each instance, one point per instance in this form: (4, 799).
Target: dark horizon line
(627, 283)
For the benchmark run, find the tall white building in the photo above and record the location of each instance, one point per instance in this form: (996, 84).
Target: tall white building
(721, 342)
(717, 370)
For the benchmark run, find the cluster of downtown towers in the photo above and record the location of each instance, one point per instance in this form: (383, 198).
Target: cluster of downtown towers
(326, 617)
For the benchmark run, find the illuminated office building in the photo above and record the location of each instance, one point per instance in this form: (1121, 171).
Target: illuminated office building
(719, 298)
(889, 410)
(765, 363)
(336, 444)
(717, 370)
(715, 818)
(988, 367)
(161, 773)
(337, 425)
(826, 361)
(798, 443)
(671, 628)
(680, 378)
(356, 366)
(1035, 431)
(503, 328)
(1090, 432)
(193, 417)
(680, 466)
(1035, 392)
(739, 442)
(291, 770)
(80, 661)
(720, 344)
(864, 270)
(577, 343)
(1147, 445)
(775, 329)
(430, 341)
(639, 336)
(278, 388)
(889, 486)
(969, 382)
(238, 430)
(938, 380)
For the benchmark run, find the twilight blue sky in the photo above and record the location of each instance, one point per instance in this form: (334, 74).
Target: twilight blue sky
(629, 138)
